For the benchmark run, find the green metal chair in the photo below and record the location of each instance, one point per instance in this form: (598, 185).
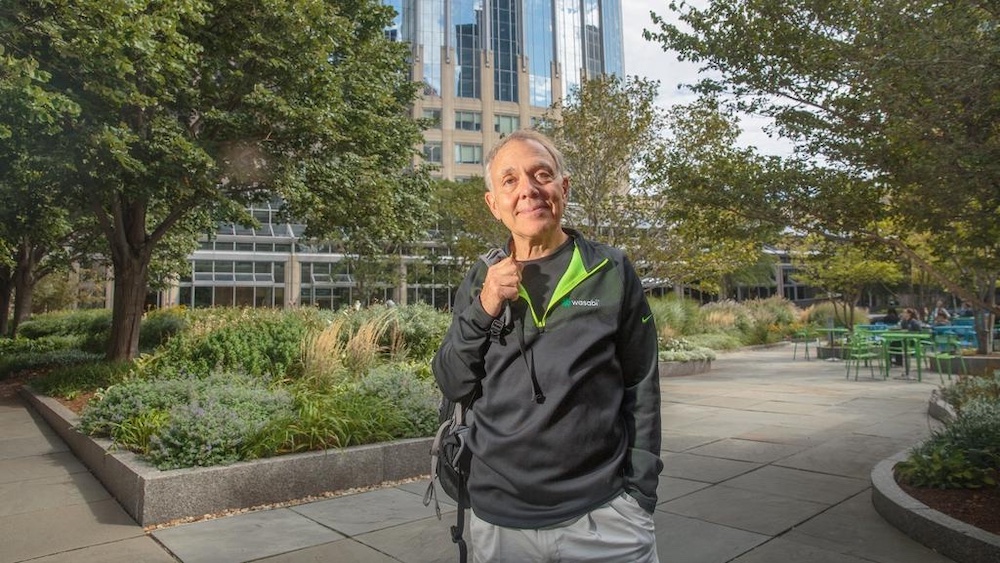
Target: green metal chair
(944, 347)
(803, 337)
(862, 349)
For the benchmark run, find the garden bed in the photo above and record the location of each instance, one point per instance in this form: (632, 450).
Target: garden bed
(152, 496)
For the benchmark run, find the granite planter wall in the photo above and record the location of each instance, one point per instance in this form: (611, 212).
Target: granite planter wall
(152, 496)
(676, 369)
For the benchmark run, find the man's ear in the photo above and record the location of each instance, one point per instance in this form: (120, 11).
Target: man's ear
(491, 203)
(565, 187)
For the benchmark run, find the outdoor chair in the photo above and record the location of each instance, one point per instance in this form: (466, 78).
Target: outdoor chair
(803, 337)
(862, 349)
(946, 347)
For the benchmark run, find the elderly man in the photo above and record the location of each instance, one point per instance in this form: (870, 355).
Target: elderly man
(556, 345)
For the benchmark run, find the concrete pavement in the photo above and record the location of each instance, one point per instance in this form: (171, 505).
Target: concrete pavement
(767, 460)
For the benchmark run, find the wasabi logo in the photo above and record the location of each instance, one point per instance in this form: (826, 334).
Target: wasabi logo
(581, 302)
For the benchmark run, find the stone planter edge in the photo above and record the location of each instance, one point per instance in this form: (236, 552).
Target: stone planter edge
(151, 496)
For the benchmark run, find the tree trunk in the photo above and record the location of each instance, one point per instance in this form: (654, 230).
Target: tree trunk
(6, 286)
(24, 286)
(131, 280)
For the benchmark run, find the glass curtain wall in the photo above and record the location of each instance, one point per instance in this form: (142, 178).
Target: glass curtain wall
(467, 19)
(539, 48)
(506, 48)
(430, 33)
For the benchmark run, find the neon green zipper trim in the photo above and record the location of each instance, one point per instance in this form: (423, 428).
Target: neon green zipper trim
(575, 274)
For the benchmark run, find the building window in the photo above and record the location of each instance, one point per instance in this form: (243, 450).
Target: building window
(432, 151)
(433, 115)
(468, 121)
(505, 124)
(468, 154)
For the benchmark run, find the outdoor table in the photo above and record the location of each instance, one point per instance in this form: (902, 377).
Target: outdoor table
(908, 340)
(832, 332)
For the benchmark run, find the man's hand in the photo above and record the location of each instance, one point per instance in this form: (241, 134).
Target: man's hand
(500, 285)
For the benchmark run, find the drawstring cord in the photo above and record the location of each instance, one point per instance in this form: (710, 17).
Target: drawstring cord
(538, 396)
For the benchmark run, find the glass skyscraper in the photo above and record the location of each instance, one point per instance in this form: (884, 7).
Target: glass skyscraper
(492, 66)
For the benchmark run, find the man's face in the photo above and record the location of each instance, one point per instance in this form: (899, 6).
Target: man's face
(527, 195)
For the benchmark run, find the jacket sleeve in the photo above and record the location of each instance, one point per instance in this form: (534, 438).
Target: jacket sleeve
(637, 352)
(459, 363)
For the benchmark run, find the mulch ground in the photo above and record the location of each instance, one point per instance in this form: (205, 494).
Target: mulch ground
(978, 507)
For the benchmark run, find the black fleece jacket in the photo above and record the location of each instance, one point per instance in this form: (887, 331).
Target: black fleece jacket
(593, 354)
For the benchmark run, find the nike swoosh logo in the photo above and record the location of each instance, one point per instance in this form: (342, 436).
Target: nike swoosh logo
(646, 319)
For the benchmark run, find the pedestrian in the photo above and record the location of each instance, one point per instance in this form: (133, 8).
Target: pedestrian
(565, 432)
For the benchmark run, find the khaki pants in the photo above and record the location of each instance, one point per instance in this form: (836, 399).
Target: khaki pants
(619, 531)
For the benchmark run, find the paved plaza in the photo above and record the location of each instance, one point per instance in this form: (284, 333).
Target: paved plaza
(767, 460)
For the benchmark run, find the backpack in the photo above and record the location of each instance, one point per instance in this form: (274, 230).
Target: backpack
(450, 463)
(450, 458)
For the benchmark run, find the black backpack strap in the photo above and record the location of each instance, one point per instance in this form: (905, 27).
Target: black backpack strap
(459, 527)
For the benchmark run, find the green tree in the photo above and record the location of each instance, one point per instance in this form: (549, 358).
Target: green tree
(191, 110)
(611, 133)
(892, 105)
(464, 223)
(843, 270)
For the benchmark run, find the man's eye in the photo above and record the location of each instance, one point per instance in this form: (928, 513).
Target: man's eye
(510, 180)
(543, 177)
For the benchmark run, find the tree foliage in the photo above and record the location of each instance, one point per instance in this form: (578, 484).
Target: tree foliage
(613, 136)
(190, 110)
(892, 105)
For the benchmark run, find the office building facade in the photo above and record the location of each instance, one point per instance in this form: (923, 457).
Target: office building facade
(493, 66)
(488, 67)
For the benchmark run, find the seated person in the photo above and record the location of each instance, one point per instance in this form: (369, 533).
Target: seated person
(891, 317)
(939, 311)
(965, 310)
(942, 319)
(910, 321)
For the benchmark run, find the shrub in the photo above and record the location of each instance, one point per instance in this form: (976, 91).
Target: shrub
(412, 396)
(422, 329)
(214, 427)
(45, 360)
(971, 387)
(69, 381)
(21, 345)
(254, 341)
(66, 323)
(159, 325)
(675, 316)
(682, 350)
(965, 454)
(340, 417)
(185, 422)
(716, 340)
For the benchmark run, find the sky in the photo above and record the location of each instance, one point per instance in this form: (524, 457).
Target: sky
(647, 59)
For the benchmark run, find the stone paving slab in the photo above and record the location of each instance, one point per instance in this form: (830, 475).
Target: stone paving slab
(752, 511)
(703, 468)
(795, 483)
(33, 445)
(50, 492)
(849, 456)
(381, 508)
(670, 488)
(422, 541)
(855, 528)
(243, 537)
(783, 550)
(746, 450)
(132, 550)
(340, 551)
(674, 442)
(682, 540)
(52, 465)
(46, 532)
